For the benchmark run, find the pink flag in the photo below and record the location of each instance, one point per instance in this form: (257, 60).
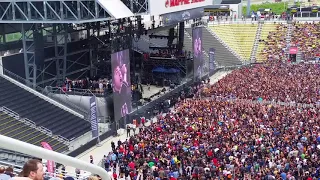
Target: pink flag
(50, 163)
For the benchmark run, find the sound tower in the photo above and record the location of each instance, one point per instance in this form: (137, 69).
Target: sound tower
(171, 37)
(181, 36)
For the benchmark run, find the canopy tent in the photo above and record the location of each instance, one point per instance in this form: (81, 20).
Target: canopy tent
(165, 70)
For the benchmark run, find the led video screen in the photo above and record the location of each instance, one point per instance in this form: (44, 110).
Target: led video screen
(197, 53)
(120, 63)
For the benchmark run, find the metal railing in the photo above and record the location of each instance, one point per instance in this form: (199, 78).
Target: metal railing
(33, 125)
(264, 102)
(68, 106)
(10, 112)
(76, 91)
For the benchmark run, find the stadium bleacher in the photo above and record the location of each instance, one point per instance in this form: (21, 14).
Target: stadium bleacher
(15, 129)
(275, 44)
(266, 29)
(239, 37)
(43, 113)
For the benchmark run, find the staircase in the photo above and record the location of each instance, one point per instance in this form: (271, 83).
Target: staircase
(224, 44)
(288, 39)
(299, 57)
(41, 111)
(256, 44)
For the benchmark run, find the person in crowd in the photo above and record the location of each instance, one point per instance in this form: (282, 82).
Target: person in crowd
(93, 178)
(128, 130)
(91, 159)
(3, 175)
(32, 169)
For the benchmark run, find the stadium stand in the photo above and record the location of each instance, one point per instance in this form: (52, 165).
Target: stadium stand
(223, 56)
(275, 44)
(43, 113)
(239, 37)
(12, 157)
(16, 129)
(306, 37)
(266, 29)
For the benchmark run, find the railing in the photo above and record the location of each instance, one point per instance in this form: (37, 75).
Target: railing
(45, 130)
(49, 90)
(263, 102)
(32, 124)
(10, 112)
(32, 150)
(77, 91)
(73, 108)
(28, 122)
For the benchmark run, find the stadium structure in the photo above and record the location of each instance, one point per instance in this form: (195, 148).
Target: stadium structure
(43, 44)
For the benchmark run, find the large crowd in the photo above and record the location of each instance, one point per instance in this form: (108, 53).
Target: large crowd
(272, 82)
(213, 138)
(223, 137)
(275, 44)
(306, 37)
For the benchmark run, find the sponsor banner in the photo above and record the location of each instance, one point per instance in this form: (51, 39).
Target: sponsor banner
(174, 18)
(159, 7)
(93, 117)
(293, 50)
(50, 164)
(212, 59)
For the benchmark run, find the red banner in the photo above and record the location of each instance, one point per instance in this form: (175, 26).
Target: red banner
(50, 163)
(293, 50)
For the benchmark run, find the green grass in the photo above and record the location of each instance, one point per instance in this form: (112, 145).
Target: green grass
(277, 8)
(18, 36)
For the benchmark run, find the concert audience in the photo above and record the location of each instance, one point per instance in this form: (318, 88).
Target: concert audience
(305, 36)
(272, 82)
(275, 44)
(209, 139)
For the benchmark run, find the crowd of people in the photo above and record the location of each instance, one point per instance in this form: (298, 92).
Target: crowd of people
(306, 36)
(272, 82)
(275, 44)
(94, 85)
(212, 138)
(209, 139)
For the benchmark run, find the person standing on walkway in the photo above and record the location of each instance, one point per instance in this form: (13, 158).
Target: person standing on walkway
(91, 159)
(128, 130)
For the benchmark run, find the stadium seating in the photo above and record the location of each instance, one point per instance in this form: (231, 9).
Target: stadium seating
(43, 113)
(223, 56)
(274, 44)
(266, 28)
(239, 37)
(11, 157)
(15, 129)
(306, 37)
